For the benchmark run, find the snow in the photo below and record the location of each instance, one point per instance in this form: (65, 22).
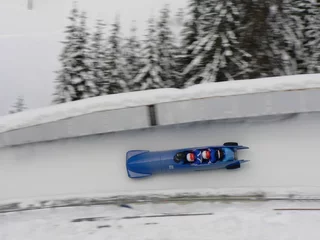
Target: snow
(140, 98)
(94, 166)
(206, 220)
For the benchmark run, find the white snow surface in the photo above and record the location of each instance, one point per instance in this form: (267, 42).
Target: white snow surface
(223, 221)
(140, 98)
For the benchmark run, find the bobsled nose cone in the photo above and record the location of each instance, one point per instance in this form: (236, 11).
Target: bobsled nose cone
(138, 168)
(143, 164)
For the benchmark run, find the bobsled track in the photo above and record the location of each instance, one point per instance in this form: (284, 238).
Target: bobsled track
(283, 154)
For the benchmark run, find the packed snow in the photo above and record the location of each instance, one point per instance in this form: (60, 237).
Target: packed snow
(141, 98)
(197, 220)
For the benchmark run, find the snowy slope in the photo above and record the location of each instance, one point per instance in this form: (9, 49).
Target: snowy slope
(133, 99)
(30, 40)
(283, 153)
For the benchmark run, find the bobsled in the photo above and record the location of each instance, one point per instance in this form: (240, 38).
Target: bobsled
(144, 163)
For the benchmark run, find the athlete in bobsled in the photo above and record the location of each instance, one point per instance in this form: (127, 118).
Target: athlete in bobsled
(210, 155)
(194, 157)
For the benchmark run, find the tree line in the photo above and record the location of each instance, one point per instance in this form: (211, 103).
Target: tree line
(221, 40)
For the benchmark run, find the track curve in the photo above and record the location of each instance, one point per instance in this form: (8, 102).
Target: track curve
(283, 153)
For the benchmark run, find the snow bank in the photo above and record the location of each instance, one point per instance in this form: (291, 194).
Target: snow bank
(156, 196)
(141, 98)
(197, 220)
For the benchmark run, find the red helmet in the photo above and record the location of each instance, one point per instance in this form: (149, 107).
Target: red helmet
(206, 154)
(191, 157)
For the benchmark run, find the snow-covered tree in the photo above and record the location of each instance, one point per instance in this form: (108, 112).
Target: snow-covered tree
(74, 80)
(99, 66)
(180, 16)
(189, 36)
(304, 21)
(256, 35)
(269, 40)
(87, 86)
(167, 49)
(116, 61)
(278, 37)
(132, 54)
(282, 36)
(149, 76)
(218, 53)
(19, 106)
(281, 43)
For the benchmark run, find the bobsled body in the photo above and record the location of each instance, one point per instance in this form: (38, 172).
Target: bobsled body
(144, 163)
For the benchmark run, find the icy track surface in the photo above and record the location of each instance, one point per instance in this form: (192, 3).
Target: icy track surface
(284, 153)
(199, 220)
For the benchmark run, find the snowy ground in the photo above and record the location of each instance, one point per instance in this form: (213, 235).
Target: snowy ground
(198, 220)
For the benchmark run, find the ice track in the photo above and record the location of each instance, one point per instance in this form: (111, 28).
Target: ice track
(283, 153)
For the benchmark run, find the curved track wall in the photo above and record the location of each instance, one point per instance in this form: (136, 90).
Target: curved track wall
(283, 153)
(84, 155)
(167, 113)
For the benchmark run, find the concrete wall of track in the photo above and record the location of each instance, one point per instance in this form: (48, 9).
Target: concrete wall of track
(84, 155)
(167, 113)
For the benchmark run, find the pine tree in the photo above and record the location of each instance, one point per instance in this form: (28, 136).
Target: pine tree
(190, 34)
(180, 16)
(100, 70)
(65, 91)
(304, 21)
(312, 44)
(256, 35)
(167, 50)
(132, 54)
(282, 36)
(19, 106)
(218, 53)
(86, 87)
(74, 80)
(149, 76)
(281, 41)
(116, 62)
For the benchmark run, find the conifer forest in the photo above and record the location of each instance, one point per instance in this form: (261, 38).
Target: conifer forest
(221, 40)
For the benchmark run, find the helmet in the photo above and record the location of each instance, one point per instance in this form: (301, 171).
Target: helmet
(219, 154)
(190, 157)
(206, 154)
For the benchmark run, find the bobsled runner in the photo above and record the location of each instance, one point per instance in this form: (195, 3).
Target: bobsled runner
(144, 163)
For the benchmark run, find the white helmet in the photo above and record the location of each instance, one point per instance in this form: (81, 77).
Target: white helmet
(190, 157)
(206, 154)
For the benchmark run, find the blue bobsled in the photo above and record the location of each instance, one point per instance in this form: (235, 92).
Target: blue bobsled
(144, 163)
